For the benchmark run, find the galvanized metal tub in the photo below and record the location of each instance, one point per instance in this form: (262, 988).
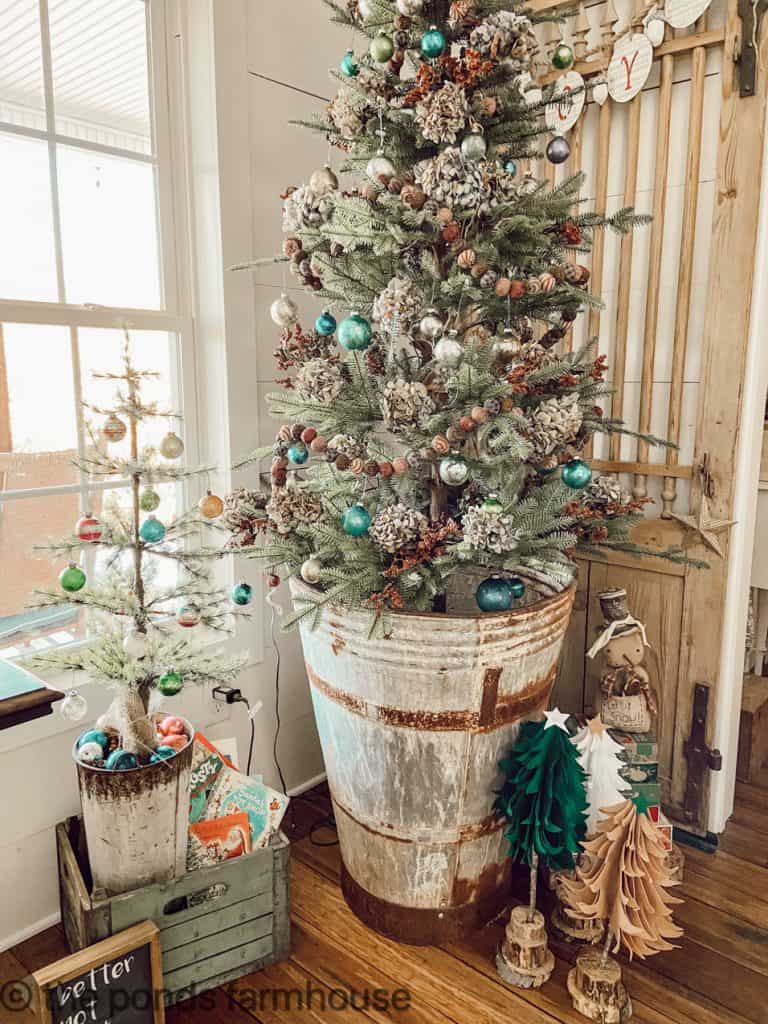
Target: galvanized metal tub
(412, 729)
(137, 821)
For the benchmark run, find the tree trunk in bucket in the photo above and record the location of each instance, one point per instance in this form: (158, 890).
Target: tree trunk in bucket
(412, 728)
(129, 715)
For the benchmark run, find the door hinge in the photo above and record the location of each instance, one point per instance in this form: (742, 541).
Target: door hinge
(701, 758)
(750, 12)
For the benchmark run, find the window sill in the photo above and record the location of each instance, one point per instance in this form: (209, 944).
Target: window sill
(27, 707)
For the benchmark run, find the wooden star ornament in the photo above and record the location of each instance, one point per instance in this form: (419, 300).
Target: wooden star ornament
(705, 526)
(596, 726)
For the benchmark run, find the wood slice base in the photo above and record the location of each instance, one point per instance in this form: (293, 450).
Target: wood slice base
(596, 989)
(572, 928)
(524, 958)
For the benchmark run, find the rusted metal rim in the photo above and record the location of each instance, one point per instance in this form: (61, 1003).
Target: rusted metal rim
(522, 612)
(425, 926)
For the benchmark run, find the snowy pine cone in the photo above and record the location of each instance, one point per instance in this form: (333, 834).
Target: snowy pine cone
(399, 304)
(506, 35)
(489, 530)
(405, 405)
(397, 526)
(345, 444)
(554, 424)
(346, 114)
(450, 182)
(303, 209)
(442, 115)
(289, 508)
(319, 381)
(605, 490)
(243, 516)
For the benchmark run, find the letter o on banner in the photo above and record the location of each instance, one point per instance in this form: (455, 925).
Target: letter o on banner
(630, 66)
(565, 109)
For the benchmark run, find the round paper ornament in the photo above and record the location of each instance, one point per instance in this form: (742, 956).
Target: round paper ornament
(114, 429)
(630, 66)
(121, 761)
(567, 104)
(682, 13)
(88, 528)
(242, 594)
(72, 578)
(171, 447)
(284, 311)
(188, 615)
(74, 707)
(210, 505)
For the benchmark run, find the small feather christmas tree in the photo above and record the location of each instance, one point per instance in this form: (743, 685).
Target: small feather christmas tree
(543, 799)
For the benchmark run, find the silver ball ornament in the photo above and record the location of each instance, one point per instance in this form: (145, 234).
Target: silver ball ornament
(474, 147)
(310, 570)
(453, 470)
(284, 311)
(409, 8)
(449, 351)
(135, 644)
(323, 180)
(91, 754)
(431, 326)
(558, 150)
(380, 167)
(507, 347)
(171, 446)
(74, 707)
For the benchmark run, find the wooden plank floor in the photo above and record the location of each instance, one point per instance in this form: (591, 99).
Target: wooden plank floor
(718, 976)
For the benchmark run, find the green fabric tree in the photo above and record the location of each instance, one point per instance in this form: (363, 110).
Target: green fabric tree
(543, 797)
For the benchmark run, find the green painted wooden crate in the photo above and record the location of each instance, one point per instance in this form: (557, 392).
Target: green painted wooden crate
(215, 924)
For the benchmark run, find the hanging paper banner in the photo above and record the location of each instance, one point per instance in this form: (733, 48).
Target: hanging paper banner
(567, 104)
(682, 13)
(630, 66)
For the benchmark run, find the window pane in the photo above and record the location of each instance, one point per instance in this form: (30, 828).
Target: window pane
(22, 100)
(38, 432)
(24, 524)
(109, 229)
(100, 78)
(27, 256)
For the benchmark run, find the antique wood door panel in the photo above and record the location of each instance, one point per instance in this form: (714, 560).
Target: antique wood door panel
(687, 149)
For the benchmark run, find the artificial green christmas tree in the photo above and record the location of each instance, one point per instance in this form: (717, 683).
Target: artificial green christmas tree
(140, 618)
(434, 415)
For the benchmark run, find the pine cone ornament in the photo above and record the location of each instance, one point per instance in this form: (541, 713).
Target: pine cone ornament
(443, 115)
(460, 11)
(554, 424)
(399, 305)
(489, 530)
(605, 491)
(450, 182)
(506, 36)
(397, 527)
(244, 516)
(319, 381)
(303, 209)
(345, 112)
(291, 507)
(405, 405)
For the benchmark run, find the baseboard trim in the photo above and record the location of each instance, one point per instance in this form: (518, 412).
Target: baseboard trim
(309, 784)
(31, 930)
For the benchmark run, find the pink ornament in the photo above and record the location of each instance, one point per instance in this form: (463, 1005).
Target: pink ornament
(172, 726)
(175, 742)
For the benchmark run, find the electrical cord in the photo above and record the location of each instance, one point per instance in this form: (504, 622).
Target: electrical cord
(242, 700)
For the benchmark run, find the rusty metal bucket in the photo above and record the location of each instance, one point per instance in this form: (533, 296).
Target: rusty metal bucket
(412, 729)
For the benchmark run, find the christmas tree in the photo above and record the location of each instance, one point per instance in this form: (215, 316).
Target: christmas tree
(543, 797)
(140, 613)
(435, 415)
(598, 756)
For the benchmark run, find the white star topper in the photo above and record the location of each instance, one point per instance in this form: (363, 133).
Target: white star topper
(556, 719)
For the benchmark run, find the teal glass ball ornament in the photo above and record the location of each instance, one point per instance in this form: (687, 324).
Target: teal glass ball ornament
(94, 736)
(433, 43)
(510, 167)
(121, 761)
(349, 66)
(242, 594)
(149, 500)
(474, 147)
(517, 587)
(494, 595)
(381, 48)
(558, 150)
(576, 474)
(152, 530)
(170, 683)
(355, 333)
(72, 578)
(298, 454)
(562, 58)
(162, 754)
(356, 521)
(325, 325)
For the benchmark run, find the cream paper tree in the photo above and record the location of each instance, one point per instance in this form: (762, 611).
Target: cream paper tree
(599, 757)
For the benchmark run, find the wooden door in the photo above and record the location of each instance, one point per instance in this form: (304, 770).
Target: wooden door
(687, 150)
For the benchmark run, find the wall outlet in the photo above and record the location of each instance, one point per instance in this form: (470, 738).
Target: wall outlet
(218, 711)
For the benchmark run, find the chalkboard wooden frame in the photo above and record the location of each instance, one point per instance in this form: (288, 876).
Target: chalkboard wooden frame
(135, 938)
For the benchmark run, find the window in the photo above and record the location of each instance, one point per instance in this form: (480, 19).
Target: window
(88, 249)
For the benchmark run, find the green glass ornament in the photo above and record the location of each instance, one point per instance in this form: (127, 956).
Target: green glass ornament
(325, 325)
(576, 474)
(242, 594)
(562, 58)
(298, 454)
(170, 684)
(72, 578)
(381, 48)
(349, 66)
(517, 587)
(494, 595)
(149, 500)
(152, 531)
(492, 504)
(356, 521)
(355, 333)
(433, 43)
(510, 167)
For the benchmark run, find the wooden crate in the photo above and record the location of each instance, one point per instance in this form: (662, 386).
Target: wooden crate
(244, 924)
(753, 730)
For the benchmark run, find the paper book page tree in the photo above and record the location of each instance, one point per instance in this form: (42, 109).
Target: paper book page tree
(543, 800)
(624, 883)
(140, 618)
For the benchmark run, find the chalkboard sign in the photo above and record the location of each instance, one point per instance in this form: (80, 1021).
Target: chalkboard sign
(117, 981)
